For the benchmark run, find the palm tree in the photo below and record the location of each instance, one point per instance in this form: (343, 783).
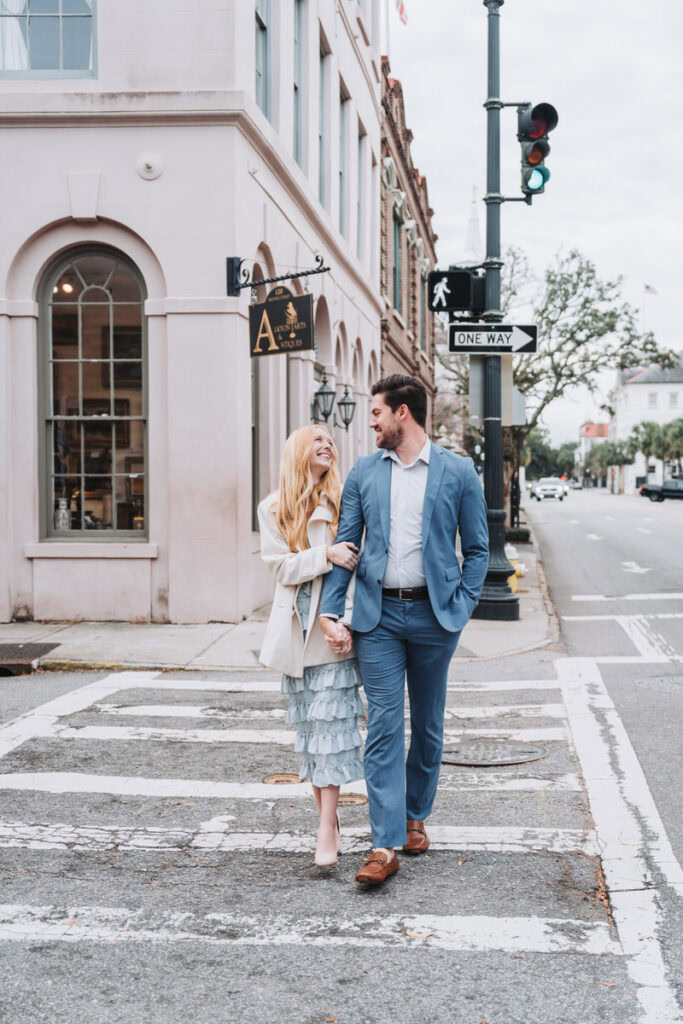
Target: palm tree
(673, 432)
(646, 437)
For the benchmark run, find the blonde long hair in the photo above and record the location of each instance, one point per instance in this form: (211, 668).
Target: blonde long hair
(297, 488)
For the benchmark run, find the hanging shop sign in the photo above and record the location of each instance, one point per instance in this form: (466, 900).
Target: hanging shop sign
(283, 323)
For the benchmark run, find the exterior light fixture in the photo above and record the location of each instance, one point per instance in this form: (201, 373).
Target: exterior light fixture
(323, 404)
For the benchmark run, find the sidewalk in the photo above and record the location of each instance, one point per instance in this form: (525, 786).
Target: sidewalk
(234, 647)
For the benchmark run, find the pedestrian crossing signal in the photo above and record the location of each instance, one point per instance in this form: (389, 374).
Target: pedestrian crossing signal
(533, 126)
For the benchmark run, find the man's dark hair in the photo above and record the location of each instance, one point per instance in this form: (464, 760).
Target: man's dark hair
(398, 389)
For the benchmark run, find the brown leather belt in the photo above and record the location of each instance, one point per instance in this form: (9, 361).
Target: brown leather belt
(407, 593)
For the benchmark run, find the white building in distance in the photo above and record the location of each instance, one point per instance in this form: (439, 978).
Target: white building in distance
(650, 394)
(143, 143)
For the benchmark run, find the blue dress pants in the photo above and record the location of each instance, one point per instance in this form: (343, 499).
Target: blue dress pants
(407, 642)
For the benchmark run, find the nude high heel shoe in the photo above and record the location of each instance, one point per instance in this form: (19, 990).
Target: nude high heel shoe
(324, 858)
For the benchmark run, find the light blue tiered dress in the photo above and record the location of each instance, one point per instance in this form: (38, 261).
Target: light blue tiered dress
(324, 706)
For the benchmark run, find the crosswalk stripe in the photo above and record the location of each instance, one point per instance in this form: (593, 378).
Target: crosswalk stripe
(282, 737)
(218, 835)
(465, 934)
(75, 782)
(205, 711)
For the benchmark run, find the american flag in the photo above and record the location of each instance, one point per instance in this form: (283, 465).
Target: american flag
(401, 8)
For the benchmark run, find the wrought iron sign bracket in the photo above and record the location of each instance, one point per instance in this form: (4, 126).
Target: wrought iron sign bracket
(239, 277)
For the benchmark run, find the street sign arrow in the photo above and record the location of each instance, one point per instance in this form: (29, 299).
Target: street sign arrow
(491, 338)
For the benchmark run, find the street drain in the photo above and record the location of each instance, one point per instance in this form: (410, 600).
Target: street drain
(281, 779)
(483, 754)
(349, 799)
(17, 659)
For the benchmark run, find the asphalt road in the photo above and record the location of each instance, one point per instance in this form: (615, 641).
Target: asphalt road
(149, 874)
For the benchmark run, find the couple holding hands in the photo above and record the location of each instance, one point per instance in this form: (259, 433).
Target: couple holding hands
(342, 617)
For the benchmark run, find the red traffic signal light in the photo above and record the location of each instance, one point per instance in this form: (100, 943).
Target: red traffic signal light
(533, 126)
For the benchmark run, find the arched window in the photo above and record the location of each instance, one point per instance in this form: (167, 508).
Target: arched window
(93, 397)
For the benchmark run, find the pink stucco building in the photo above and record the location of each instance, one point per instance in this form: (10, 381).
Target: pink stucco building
(142, 143)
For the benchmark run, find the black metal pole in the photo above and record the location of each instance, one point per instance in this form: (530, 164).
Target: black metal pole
(497, 600)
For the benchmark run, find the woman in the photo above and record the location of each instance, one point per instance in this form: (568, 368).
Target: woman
(298, 526)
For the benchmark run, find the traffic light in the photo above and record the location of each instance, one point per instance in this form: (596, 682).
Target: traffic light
(533, 127)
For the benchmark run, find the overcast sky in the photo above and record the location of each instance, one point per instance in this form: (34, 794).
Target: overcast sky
(613, 72)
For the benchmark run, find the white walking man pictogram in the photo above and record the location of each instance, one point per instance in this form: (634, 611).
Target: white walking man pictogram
(441, 290)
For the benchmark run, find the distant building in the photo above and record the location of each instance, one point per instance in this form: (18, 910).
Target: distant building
(407, 250)
(590, 434)
(640, 395)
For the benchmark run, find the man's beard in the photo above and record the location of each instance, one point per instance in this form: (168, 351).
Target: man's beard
(390, 439)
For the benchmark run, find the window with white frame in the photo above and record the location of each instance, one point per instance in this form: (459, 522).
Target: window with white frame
(47, 38)
(93, 397)
(673, 400)
(322, 128)
(652, 400)
(397, 262)
(298, 79)
(343, 107)
(263, 56)
(360, 193)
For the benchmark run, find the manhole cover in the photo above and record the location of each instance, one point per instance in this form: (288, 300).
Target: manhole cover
(662, 684)
(281, 779)
(484, 754)
(16, 659)
(348, 799)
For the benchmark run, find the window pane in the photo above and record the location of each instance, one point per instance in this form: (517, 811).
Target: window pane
(42, 6)
(95, 327)
(97, 447)
(130, 502)
(65, 332)
(97, 504)
(130, 447)
(68, 288)
(67, 515)
(76, 7)
(76, 42)
(96, 393)
(123, 286)
(95, 295)
(44, 37)
(95, 269)
(13, 44)
(127, 332)
(128, 386)
(66, 437)
(65, 389)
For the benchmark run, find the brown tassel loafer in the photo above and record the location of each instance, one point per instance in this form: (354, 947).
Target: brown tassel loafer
(377, 868)
(417, 839)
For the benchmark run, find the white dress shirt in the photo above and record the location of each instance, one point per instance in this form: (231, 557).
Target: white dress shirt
(405, 565)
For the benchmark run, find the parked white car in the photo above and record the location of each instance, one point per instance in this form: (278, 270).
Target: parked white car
(549, 487)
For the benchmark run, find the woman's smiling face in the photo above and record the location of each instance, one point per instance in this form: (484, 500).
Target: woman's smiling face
(322, 453)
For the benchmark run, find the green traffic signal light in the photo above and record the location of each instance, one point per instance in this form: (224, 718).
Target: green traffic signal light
(533, 126)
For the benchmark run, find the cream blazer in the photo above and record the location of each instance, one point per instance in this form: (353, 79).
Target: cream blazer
(284, 648)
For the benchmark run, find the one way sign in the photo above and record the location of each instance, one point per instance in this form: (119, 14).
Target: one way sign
(491, 338)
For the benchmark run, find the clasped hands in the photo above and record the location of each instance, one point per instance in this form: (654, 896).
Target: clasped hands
(337, 634)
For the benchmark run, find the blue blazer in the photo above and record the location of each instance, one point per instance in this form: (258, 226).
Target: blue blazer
(454, 500)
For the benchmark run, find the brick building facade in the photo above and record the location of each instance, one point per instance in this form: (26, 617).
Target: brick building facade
(407, 250)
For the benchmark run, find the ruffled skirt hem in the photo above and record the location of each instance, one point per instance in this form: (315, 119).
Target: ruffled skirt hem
(331, 773)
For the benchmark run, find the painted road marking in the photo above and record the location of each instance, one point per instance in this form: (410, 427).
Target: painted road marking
(219, 835)
(630, 832)
(633, 567)
(593, 536)
(187, 711)
(502, 685)
(614, 618)
(523, 710)
(123, 785)
(51, 728)
(678, 596)
(641, 529)
(475, 934)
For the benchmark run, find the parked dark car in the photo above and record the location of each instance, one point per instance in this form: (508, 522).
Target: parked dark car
(658, 492)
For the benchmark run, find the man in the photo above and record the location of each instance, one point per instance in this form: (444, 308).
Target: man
(410, 606)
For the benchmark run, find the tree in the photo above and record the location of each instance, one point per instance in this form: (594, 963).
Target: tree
(674, 438)
(565, 458)
(646, 437)
(614, 453)
(584, 327)
(538, 455)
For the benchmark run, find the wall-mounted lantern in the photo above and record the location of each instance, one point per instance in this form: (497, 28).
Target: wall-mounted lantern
(323, 404)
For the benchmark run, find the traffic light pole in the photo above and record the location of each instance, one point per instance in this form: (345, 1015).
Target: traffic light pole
(497, 600)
